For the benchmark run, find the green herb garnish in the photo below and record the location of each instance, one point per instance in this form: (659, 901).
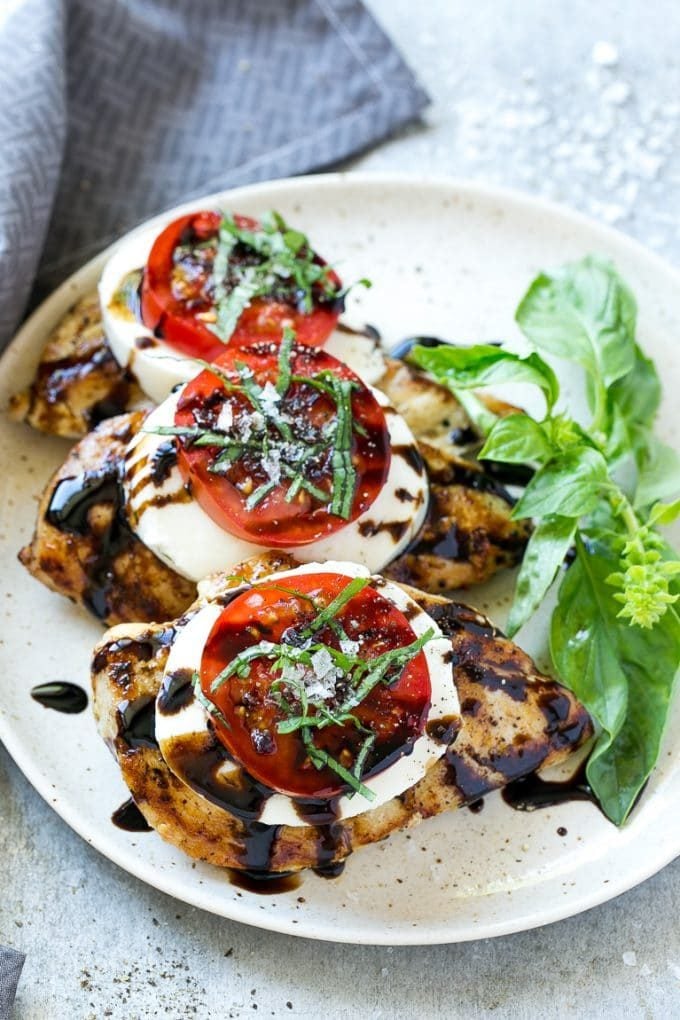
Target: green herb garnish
(286, 268)
(615, 633)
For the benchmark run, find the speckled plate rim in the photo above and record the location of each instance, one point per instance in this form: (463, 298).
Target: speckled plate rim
(14, 359)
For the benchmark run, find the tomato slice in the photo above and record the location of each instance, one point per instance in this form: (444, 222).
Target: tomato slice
(251, 707)
(296, 466)
(177, 297)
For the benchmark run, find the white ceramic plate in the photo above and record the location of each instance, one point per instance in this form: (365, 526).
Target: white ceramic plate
(446, 258)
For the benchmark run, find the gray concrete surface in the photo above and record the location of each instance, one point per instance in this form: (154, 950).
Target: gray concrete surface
(575, 101)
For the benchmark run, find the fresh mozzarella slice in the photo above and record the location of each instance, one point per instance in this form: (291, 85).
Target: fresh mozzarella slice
(360, 349)
(177, 529)
(155, 365)
(184, 724)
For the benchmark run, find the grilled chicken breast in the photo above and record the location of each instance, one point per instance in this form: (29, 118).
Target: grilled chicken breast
(514, 720)
(78, 382)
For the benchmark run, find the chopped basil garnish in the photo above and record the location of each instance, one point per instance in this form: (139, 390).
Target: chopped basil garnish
(286, 268)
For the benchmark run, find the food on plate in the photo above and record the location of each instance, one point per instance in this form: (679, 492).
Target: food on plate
(295, 713)
(78, 382)
(292, 432)
(273, 446)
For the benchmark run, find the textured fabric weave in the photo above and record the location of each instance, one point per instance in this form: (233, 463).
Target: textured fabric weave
(111, 110)
(11, 963)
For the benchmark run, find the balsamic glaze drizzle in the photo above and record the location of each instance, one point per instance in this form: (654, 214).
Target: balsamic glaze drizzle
(265, 883)
(531, 792)
(137, 722)
(69, 508)
(163, 461)
(60, 696)
(130, 818)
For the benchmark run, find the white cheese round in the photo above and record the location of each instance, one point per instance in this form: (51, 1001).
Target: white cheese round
(179, 531)
(157, 366)
(186, 654)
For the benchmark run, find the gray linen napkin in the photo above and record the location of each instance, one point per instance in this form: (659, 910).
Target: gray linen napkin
(112, 110)
(11, 963)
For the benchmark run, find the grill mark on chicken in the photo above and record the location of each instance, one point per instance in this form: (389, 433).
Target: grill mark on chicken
(78, 383)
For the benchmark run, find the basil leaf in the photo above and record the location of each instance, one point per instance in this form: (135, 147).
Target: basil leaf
(664, 513)
(542, 559)
(570, 485)
(658, 473)
(566, 434)
(476, 410)
(623, 675)
(637, 394)
(584, 313)
(485, 365)
(294, 240)
(517, 439)
(632, 403)
(231, 304)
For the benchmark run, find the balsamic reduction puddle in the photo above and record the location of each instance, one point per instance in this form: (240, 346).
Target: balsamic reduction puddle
(60, 696)
(55, 377)
(531, 792)
(266, 883)
(246, 799)
(330, 870)
(129, 818)
(370, 332)
(397, 529)
(273, 883)
(74, 497)
(403, 348)
(455, 617)
(411, 456)
(509, 474)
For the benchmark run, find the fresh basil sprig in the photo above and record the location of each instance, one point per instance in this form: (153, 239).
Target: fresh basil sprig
(601, 490)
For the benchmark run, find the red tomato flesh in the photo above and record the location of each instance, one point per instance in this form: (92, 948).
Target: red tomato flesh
(274, 521)
(395, 713)
(177, 299)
